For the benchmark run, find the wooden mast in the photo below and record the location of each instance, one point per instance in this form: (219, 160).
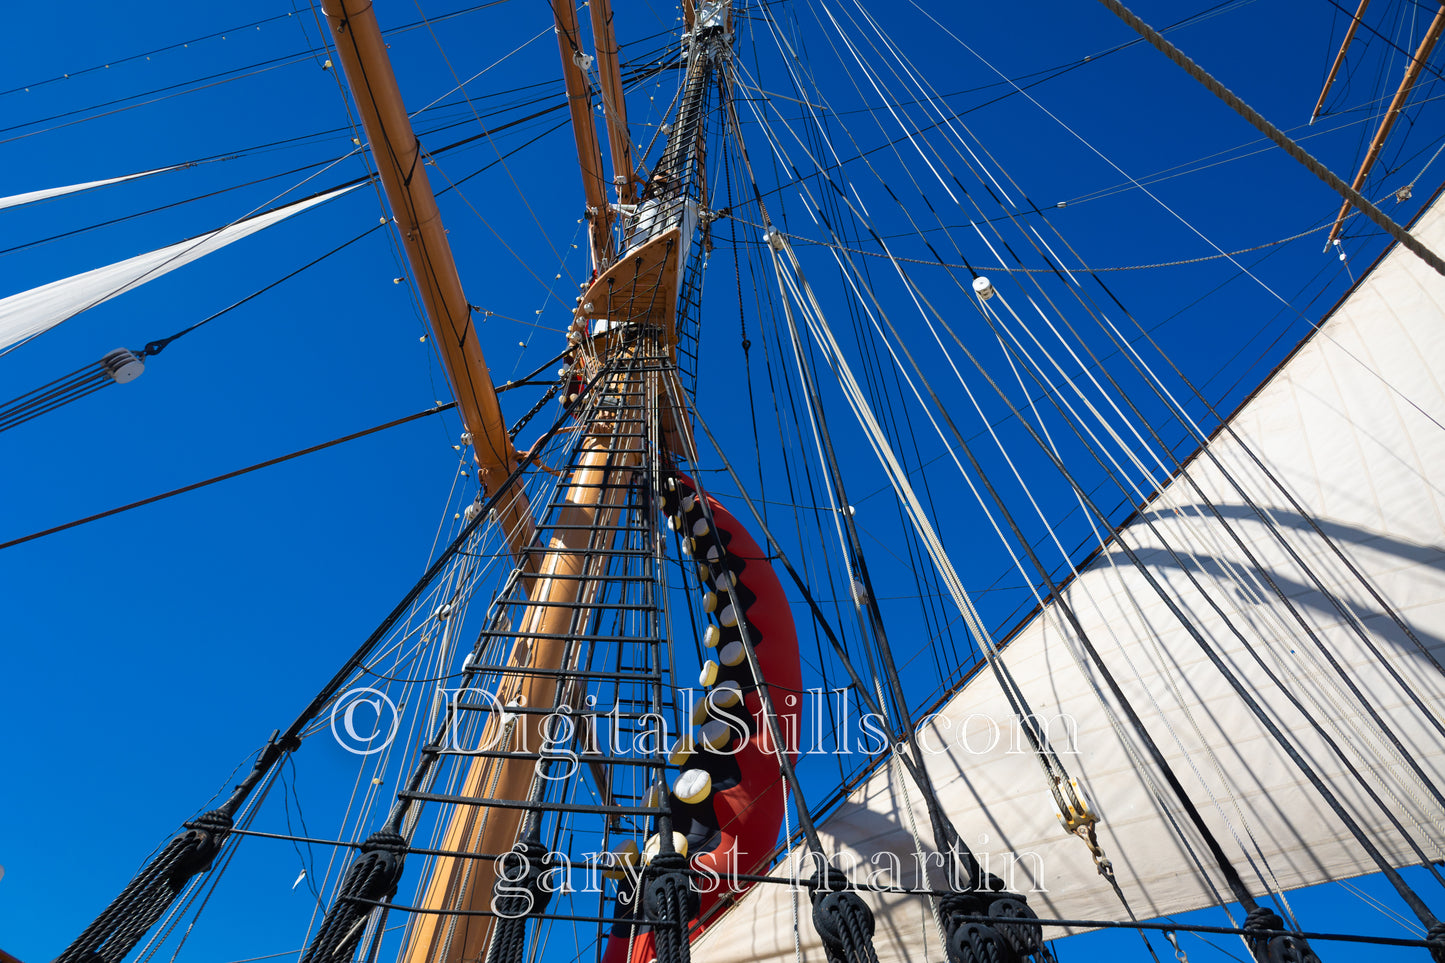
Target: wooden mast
(640, 294)
(397, 154)
(1339, 60)
(575, 64)
(614, 106)
(594, 496)
(1412, 74)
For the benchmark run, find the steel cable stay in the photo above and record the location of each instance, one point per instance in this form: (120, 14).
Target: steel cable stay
(1242, 574)
(1349, 618)
(173, 873)
(1056, 777)
(818, 135)
(1347, 615)
(1254, 571)
(606, 628)
(1041, 443)
(975, 896)
(1080, 808)
(1406, 892)
(1054, 263)
(1249, 576)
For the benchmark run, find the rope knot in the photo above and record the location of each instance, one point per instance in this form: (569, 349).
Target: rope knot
(842, 919)
(1436, 935)
(1016, 937)
(1278, 948)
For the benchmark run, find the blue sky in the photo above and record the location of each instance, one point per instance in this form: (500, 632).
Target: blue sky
(149, 653)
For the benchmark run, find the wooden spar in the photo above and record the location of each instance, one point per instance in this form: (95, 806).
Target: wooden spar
(614, 106)
(594, 496)
(468, 884)
(397, 153)
(1412, 74)
(584, 130)
(1339, 59)
(640, 291)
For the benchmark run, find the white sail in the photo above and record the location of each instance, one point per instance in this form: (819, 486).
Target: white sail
(29, 313)
(31, 197)
(1353, 425)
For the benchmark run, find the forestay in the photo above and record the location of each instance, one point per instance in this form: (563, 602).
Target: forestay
(1352, 423)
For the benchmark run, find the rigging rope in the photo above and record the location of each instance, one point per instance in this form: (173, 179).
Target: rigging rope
(1278, 136)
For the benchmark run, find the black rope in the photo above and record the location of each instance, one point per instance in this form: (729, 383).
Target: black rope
(118, 928)
(1398, 882)
(371, 879)
(843, 921)
(668, 896)
(48, 397)
(227, 476)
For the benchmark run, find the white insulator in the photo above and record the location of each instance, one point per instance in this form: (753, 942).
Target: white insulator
(688, 547)
(654, 846)
(714, 734)
(701, 527)
(712, 636)
(983, 287)
(693, 786)
(713, 554)
(681, 751)
(672, 522)
(472, 510)
(708, 675)
(709, 602)
(733, 653)
(727, 580)
(688, 501)
(699, 712)
(703, 572)
(729, 617)
(726, 695)
(122, 365)
(860, 592)
(670, 484)
(561, 373)
(587, 306)
(775, 240)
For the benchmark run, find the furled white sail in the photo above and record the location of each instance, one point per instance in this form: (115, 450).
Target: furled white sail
(29, 313)
(30, 197)
(1353, 425)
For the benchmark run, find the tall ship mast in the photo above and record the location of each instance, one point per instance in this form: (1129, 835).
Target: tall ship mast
(653, 700)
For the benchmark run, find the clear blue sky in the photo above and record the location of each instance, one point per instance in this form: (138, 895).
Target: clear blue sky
(146, 655)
